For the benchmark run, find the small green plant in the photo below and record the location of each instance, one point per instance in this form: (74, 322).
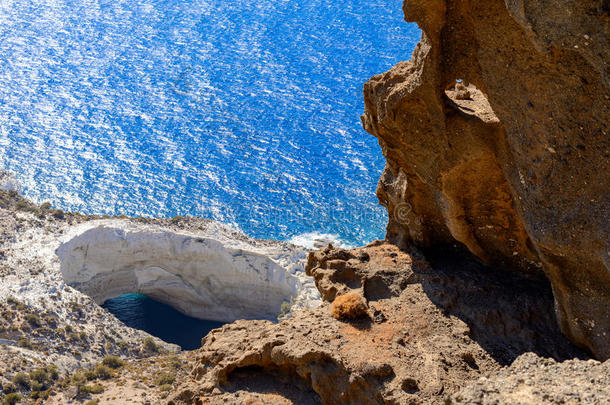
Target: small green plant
(25, 205)
(92, 402)
(103, 372)
(22, 380)
(285, 308)
(11, 399)
(8, 388)
(33, 319)
(78, 378)
(165, 387)
(52, 372)
(37, 386)
(113, 362)
(43, 394)
(150, 345)
(165, 378)
(93, 389)
(45, 206)
(50, 320)
(40, 375)
(25, 343)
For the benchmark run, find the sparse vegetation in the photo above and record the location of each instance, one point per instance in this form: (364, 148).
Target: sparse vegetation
(165, 387)
(40, 375)
(25, 205)
(285, 308)
(33, 319)
(103, 372)
(113, 362)
(150, 345)
(11, 399)
(348, 306)
(93, 389)
(165, 379)
(58, 214)
(22, 380)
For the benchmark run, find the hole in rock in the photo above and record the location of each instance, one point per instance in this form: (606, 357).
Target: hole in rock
(182, 277)
(283, 385)
(410, 385)
(141, 312)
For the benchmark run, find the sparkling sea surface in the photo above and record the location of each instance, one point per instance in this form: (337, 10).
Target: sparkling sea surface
(242, 112)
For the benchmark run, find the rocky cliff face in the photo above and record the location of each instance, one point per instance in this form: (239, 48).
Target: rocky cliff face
(496, 139)
(427, 331)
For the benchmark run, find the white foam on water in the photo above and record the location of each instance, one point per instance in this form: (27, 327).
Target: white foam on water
(318, 240)
(8, 182)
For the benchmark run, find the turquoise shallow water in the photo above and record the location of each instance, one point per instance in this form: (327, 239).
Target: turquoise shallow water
(243, 112)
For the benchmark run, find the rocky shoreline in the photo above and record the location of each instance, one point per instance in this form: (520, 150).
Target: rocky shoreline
(45, 321)
(492, 285)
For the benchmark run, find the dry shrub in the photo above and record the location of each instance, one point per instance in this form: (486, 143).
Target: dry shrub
(348, 306)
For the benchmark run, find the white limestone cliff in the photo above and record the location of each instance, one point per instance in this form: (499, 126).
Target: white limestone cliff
(207, 275)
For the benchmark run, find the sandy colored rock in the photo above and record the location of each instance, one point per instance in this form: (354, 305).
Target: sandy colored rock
(425, 340)
(534, 380)
(513, 163)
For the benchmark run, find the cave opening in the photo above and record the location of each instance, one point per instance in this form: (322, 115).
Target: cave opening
(161, 320)
(174, 286)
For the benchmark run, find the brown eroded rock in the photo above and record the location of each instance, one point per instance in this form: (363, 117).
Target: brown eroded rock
(496, 138)
(534, 380)
(432, 329)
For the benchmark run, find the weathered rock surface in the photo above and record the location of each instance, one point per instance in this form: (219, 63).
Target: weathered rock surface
(204, 275)
(430, 330)
(496, 139)
(534, 380)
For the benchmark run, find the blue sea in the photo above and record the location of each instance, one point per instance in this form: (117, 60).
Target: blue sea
(242, 112)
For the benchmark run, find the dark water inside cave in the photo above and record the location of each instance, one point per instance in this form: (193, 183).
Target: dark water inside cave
(141, 312)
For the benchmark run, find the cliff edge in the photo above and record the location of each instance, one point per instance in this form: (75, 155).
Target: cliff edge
(496, 139)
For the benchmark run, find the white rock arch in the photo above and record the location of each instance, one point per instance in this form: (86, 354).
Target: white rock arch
(200, 277)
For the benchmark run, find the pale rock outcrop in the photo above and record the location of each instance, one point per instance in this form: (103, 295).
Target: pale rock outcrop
(8, 182)
(202, 275)
(535, 380)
